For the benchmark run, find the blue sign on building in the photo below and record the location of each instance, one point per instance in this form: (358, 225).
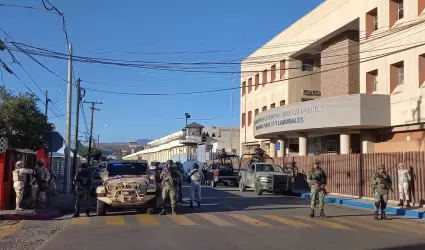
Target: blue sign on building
(278, 145)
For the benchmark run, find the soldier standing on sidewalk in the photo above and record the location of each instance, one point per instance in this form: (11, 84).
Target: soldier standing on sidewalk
(404, 179)
(18, 176)
(381, 186)
(82, 183)
(317, 179)
(43, 178)
(169, 177)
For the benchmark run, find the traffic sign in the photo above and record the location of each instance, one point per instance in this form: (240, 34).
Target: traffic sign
(278, 145)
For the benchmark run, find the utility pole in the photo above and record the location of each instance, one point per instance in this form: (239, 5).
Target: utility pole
(80, 94)
(231, 116)
(91, 127)
(47, 103)
(68, 125)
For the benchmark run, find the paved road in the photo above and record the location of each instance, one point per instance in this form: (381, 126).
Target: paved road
(237, 220)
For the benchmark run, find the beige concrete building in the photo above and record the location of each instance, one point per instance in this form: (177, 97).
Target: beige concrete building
(195, 143)
(347, 77)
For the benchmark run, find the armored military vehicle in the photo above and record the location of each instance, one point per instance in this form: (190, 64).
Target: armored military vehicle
(126, 184)
(263, 176)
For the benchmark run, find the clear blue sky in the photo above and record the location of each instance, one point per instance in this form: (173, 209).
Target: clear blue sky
(106, 28)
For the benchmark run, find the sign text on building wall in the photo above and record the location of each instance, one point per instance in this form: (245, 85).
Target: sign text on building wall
(286, 117)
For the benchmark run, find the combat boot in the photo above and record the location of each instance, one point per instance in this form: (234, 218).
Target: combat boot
(375, 215)
(312, 213)
(173, 211)
(163, 212)
(383, 216)
(76, 215)
(18, 208)
(400, 204)
(88, 212)
(408, 203)
(191, 204)
(199, 204)
(322, 214)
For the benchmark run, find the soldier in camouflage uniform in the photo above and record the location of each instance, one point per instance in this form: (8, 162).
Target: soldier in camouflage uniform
(381, 186)
(82, 183)
(317, 180)
(180, 169)
(42, 176)
(169, 177)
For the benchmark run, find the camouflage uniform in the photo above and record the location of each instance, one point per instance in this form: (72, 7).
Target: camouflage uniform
(196, 177)
(43, 178)
(169, 177)
(381, 185)
(18, 176)
(316, 179)
(82, 183)
(180, 169)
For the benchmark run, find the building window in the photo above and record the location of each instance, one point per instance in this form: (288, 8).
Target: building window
(396, 75)
(264, 77)
(273, 73)
(243, 120)
(421, 70)
(272, 105)
(282, 68)
(264, 108)
(256, 112)
(371, 81)
(371, 22)
(400, 9)
(282, 103)
(249, 85)
(243, 88)
(421, 6)
(257, 81)
(396, 11)
(249, 118)
(307, 64)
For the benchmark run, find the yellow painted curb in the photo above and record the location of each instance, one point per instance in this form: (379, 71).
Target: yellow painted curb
(17, 225)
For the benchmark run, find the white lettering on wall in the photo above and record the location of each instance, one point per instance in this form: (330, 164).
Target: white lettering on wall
(288, 114)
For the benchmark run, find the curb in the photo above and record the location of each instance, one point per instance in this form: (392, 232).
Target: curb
(36, 216)
(393, 210)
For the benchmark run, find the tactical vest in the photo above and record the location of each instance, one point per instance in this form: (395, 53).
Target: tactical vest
(17, 176)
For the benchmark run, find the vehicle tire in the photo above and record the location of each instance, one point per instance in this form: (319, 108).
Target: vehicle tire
(257, 189)
(242, 186)
(100, 208)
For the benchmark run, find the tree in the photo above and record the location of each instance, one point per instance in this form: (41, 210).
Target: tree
(95, 153)
(21, 120)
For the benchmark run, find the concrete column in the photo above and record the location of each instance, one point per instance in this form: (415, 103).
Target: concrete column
(344, 142)
(273, 147)
(302, 144)
(281, 152)
(366, 139)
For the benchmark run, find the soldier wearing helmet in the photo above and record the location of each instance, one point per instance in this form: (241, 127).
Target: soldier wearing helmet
(18, 176)
(317, 180)
(42, 176)
(381, 186)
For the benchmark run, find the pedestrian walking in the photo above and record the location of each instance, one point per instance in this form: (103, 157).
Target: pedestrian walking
(404, 179)
(169, 177)
(82, 183)
(196, 177)
(18, 177)
(381, 186)
(317, 180)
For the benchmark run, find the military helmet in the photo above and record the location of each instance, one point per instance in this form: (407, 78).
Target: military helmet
(380, 166)
(19, 164)
(195, 166)
(316, 161)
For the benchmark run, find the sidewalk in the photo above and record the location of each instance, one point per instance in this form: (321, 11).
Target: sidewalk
(59, 204)
(416, 211)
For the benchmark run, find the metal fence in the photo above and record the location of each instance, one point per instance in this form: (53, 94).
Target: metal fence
(351, 174)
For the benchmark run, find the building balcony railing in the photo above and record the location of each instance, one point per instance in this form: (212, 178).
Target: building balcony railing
(191, 139)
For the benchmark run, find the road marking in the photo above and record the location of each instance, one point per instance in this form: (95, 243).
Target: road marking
(182, 220)
(147, 220)
(324, 223)
(250, 220)
(403, 226)
(216, 220)
(363, 225)
(287, 221)
(80, 221)
(7, 230)
(115, 220)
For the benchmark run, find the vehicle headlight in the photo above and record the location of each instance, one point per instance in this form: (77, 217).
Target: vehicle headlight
(263, 179)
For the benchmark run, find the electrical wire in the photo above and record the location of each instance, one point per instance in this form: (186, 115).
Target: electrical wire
(24, 7)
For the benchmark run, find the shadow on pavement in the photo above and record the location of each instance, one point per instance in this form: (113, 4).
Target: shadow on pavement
(406, 247)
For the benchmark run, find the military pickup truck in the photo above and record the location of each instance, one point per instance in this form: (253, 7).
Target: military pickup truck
(126, 183)
(266, 177)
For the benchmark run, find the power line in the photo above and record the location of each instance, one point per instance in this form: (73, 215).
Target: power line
(24, 7)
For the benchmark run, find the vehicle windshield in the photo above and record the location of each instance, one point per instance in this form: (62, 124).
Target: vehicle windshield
(127, 168)
(267, 168)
